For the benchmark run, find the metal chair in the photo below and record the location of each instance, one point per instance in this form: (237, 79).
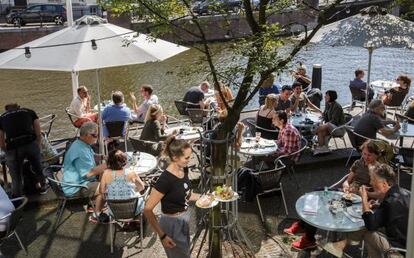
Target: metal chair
(199, 117)
(271, 182)
(339, 183)
(395, 252)
(46, 123)
(357, 98)
(124, 211)
(182, 106)
(13, 220)
(153, 148)
(265, 133)
(56, 186)
(116, 130)
(348, 121)
(72, 118)
(290, 162)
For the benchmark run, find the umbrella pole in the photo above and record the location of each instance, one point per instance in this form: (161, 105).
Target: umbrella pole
(75, 83)
(370, 50)
(100, 123)
(410, 231)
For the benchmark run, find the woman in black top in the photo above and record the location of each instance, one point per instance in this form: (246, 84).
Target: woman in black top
(265, 116)
(173, 191)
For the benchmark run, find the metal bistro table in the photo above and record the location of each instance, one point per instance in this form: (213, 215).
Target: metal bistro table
(185, 132)
(323, 218)
(305, 120)
(408, 133)
(146, 163)
(264, 147)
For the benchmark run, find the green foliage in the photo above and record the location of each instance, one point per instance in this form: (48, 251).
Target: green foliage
(407, 9)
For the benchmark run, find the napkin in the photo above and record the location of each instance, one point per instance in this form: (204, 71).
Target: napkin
(246, 145)
(267, 143)
(311, 205)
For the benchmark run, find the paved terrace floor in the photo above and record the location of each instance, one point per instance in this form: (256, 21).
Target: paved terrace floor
(77, 237)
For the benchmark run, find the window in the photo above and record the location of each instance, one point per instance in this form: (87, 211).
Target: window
(34, 9)
(49, 8)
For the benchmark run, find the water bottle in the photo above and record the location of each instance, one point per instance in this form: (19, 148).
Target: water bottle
(404, 125)
(248, 134)
(325, 194)
(135, 158)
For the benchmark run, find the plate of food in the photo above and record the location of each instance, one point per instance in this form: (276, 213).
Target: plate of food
(206, 201)
(355, 212)
(225, 194)
(354, 198)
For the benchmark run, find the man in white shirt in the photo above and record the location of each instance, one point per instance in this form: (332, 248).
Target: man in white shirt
(148, 99)
(81, 107)
(6, 207)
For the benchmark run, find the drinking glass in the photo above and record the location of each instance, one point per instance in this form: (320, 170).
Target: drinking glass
(258, 135)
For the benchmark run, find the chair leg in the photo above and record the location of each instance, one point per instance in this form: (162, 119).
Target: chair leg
(343, 139)
(61, 210)
(349, 157)
(260, 208)
(111, 233)
(293, 171)
(141, 229)
(336, 145)
(20, 242)
(283, 199)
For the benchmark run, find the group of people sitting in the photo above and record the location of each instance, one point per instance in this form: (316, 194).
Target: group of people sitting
(385, 205)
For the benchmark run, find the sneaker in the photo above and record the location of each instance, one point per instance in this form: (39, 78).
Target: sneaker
(90, 209)
(103, 218)
(330, 248)
(295, 228)
(303, 243)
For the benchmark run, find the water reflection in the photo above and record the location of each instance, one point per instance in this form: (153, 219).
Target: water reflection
(50, 92)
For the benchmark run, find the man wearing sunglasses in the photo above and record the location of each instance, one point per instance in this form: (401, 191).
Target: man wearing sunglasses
(80, 168)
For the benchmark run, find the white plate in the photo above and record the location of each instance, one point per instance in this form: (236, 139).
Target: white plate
(235, 197)
(357, 213)
(212, 204)
(355, 198)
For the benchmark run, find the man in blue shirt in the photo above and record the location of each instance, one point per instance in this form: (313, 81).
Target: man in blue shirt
(358, 87)
(116, 112)
(80, 168)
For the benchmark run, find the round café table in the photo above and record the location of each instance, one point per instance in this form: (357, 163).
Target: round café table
(408, 133)
(305, 120)
(146, 163)
(263, 148)
(313, 208)
(185, 132)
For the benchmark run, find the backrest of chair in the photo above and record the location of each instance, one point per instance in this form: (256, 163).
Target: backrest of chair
(348, 118)
(123, 209)
(357, 94)
(270, 179)
(16, 215)
(265, 133)
(46, 123)
(181, 107)
(115, 128)
(196, 115)
(152, 148)
(351, 136)
(67, 111)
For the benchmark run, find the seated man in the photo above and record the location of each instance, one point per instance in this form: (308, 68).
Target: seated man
(116, 112)
(283, 101)
(391, 215)
(299, 99)
(6, 207)
(80, 168)
(372, 122)
(148, 99)
(81, 107)
(301, 77)
(196, 95)
(358, 87)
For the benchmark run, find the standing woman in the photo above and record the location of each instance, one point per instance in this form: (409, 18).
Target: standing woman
(173, 191)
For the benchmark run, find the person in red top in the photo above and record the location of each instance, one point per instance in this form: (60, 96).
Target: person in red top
(289, 137)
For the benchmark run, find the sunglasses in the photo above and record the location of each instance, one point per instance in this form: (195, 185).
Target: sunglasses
(94, 135)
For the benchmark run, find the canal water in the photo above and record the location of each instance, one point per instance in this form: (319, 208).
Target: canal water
(50, 92)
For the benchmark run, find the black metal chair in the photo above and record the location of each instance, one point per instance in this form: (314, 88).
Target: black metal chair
(153, 148)
(199, 117)
(271, 182)
(265, 133)
(46, 123)
(13, 220)
(116, 130)
(182, 106)
(124, 211)
(357, 97)
(56, 185)
(335, 132)
(291, 160)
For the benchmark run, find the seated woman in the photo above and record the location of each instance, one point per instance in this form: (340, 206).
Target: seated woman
(265, 115)
(395, 96)
(227, 94)
(359, 175)
(268, 87)
(333, 116)
(118, 183)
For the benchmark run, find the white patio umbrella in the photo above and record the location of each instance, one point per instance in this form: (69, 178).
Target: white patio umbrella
(372, 28)
(91, 44)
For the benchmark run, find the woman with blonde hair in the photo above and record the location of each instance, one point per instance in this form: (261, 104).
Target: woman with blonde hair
(227, 94)
(265, 116)
(154, 124)
(268, 87)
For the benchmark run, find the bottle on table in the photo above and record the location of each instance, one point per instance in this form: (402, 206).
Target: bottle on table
(404, 126)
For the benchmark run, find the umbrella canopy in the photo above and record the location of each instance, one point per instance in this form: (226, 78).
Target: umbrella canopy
(115, 46)
(372, 27)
